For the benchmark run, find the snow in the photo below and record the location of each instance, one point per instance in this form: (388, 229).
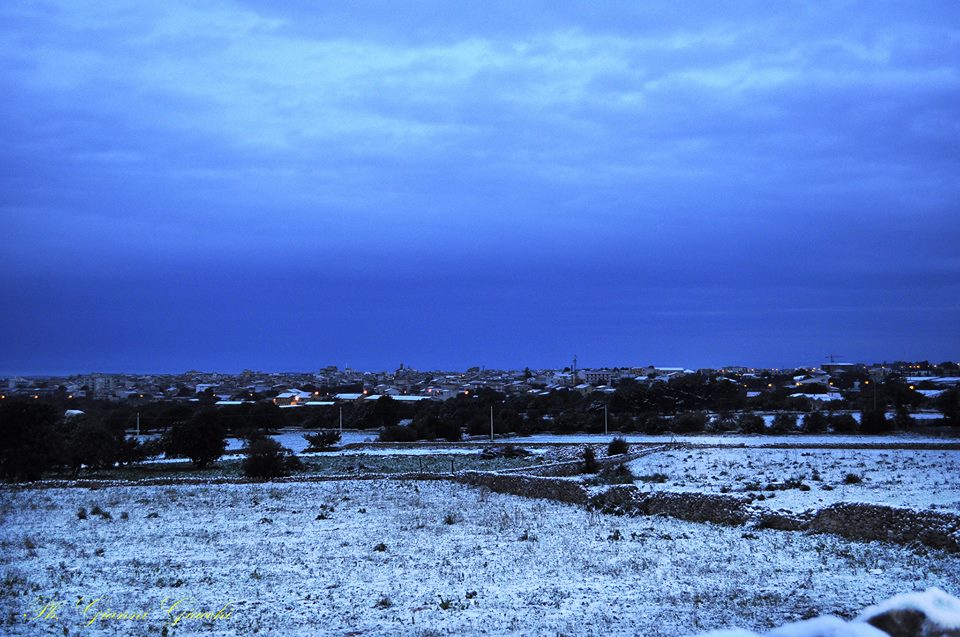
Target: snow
(826, 626)
(727, 439)
(294, 441)
(939, 607)
(505, 565)
(913, 478)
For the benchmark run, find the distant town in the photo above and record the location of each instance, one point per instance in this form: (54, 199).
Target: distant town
(831, 381)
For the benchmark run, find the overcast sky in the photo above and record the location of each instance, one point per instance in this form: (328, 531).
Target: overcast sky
(227, 185)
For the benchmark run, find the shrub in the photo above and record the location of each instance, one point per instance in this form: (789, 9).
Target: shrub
(397, 433)
(783, 424)
(322, 441)
(852, 478)
(658, 478)
(752, 424)
(844, 423)
(619, 474)
(689, 422)
(651, 424)
(266, 458)
(589, 460)
(618, 446)
(874, 421)
(815, 423)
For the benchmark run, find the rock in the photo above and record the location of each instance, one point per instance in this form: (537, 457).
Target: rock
(932, 613)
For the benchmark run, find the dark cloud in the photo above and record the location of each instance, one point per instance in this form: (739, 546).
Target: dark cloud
(495, 184)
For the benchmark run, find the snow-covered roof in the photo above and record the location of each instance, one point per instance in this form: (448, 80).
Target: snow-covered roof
(936, 380)
(827, 397)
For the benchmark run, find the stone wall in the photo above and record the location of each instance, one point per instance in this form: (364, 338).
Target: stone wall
(575, 467)
(862, 521)
(528, 486)
(851, 520)
(695, 507)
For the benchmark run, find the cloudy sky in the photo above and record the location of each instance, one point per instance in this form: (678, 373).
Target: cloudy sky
(226, 185)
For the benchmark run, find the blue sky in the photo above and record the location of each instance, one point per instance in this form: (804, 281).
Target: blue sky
(228, 185)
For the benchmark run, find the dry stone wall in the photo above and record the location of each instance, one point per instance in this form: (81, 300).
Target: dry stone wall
(528, 486)
(863, 521)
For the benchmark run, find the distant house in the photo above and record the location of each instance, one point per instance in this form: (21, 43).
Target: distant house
(292, 397)
(584, 388)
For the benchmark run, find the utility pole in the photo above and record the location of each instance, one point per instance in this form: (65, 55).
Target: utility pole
(491, 423)
(604, 419)
(341, 420)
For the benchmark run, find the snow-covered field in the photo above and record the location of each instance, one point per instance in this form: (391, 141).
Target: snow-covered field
(294, 441)
(416, 558)
(919, 479)
(730, 439)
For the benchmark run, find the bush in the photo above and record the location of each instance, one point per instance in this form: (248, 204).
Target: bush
(618, 446)
(783, 424)
(875, 421)
(589, 460)
(752, 424)
(619, 474)
(266, 458)
(398, 433)
(658, 478)
(689, 422)
(651, 423)
(322, 441)
(844, 423)
(815, 423)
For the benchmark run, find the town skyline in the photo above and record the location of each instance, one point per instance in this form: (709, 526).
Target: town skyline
(400, 367)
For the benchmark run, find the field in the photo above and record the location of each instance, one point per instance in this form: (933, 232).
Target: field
(416, 558)
(798, 479)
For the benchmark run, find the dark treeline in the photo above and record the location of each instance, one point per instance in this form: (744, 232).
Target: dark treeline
(36, 436)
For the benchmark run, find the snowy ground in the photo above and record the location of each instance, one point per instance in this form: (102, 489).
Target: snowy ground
(730, 439)
(294, 441)
(912, 478)
(455, 560)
